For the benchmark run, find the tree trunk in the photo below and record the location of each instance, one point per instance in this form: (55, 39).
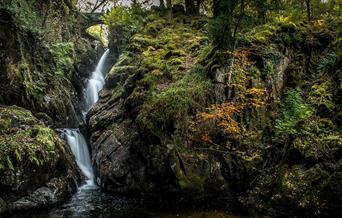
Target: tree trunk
(169, 8)
(190, 7)
(261, 8)
(161, 4)
(198, 6)
(224, 14)
(308, 9)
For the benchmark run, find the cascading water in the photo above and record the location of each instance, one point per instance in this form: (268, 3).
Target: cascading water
(74, 137)
(79, 148)
(95, 83)
(89, 201)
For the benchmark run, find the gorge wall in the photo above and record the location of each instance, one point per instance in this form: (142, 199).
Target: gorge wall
(182, 121)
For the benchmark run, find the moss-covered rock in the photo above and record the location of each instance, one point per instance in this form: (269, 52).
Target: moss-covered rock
(99, 32)
(260, 125)
(33, 158)
(306, 142)
(150, 91)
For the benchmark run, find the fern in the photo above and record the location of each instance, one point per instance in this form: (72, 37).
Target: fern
(294, 111)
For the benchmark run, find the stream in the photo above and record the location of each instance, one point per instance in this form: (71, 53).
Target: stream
(89, 201)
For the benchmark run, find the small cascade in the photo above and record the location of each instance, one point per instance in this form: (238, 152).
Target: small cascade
(79, 148)
(74, 137)
(95, 83)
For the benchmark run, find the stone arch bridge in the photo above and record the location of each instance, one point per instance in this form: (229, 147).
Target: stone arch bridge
(90, 19)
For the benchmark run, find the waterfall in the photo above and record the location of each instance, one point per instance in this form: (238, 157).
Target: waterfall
(79, 148)
(74, 137)
(95, 83)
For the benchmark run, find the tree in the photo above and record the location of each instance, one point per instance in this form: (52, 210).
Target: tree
(308, 9)
(221, 27)
(261, 7)
(169, 8)
(162, 4)
(190, 7)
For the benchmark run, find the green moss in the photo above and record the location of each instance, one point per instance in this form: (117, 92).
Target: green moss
(26, 17)
(144, 40)
(25, 138)
(122, 69)
(165, 52)
(174, 101)
(98, 32)
(5, 125)
(184, 184)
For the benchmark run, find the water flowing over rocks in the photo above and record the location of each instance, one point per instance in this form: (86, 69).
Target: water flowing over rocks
(42, 171)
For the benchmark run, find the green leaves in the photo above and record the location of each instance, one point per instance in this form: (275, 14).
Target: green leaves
(63, 55)
(295, 110)
(321, 95)
(125, 17)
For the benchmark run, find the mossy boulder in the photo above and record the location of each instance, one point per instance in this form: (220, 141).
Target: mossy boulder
(33, 158)
(99, 32)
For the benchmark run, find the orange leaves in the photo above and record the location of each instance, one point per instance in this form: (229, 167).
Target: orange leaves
(206, 138)
(224, 117)
(255, 92)
(254, 97)
(222, 114)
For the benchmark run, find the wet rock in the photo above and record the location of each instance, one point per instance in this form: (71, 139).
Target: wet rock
(41, 172)
(40, 198)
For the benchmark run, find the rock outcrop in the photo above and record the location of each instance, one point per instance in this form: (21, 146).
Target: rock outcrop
(182, 121)
(37, 168)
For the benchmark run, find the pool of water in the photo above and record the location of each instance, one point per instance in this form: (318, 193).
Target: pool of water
(91, 202)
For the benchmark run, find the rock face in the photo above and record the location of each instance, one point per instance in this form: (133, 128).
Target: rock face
(37, 168)
(152, 135)
(142, 139)
(129, 159)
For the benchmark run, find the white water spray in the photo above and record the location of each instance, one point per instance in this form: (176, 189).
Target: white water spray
(95, 83)
(80, 150)
(74, 137)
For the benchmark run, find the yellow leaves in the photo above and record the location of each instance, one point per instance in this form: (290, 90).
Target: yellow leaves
(230, 126)
(224, 115)
(255, 92)
(220, 111)
(253, 97)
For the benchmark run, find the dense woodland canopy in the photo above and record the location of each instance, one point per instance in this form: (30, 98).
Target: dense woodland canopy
(232, 104)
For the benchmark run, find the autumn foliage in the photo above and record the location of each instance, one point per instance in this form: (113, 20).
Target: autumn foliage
(222, 117)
